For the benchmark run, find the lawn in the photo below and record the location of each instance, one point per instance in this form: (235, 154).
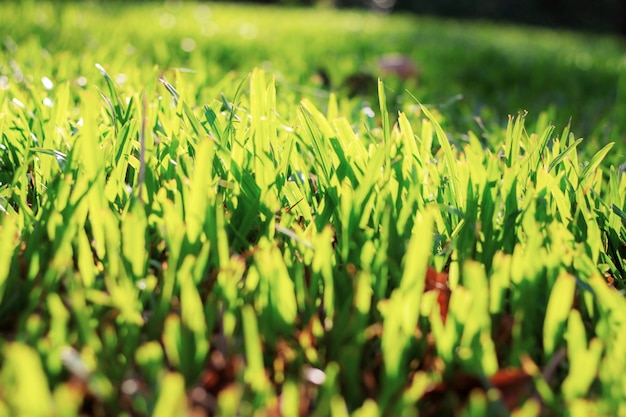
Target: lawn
(193, 222)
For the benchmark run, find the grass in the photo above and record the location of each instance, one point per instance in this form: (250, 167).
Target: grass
(507, 68)
(240, 241)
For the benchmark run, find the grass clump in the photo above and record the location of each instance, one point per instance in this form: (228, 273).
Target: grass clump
(171, 247)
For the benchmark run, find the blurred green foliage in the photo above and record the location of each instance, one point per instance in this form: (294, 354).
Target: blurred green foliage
(604, 16)
(497, 70)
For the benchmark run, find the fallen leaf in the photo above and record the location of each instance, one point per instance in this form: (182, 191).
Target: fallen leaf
(438, 281)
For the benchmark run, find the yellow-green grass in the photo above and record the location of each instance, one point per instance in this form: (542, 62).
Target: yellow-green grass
(233, 242)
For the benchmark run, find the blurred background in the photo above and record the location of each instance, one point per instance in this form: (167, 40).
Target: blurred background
(469, 59)
(603, 16)
(599, 15)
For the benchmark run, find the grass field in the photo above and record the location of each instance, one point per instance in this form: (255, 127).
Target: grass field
(194, 224)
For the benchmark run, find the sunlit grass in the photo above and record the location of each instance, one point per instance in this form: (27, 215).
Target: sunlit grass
(183, 234)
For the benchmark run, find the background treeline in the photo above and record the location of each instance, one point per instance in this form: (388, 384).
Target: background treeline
(596, 16)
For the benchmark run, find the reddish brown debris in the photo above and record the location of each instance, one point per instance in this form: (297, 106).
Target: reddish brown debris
(438, 281)
(399, 65)
(515, 385)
